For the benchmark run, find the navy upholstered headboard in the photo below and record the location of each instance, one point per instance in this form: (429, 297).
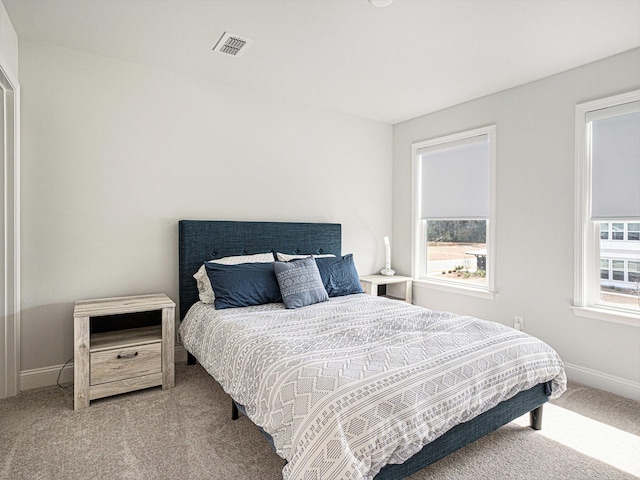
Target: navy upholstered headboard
(202, 240)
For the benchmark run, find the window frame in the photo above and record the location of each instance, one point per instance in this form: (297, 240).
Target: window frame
(587, 232)
(418, 234)
(617, 235)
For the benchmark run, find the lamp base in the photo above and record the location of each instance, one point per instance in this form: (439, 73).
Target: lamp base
(388, 272)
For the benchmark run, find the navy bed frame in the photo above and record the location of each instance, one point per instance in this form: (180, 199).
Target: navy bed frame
(202, 240)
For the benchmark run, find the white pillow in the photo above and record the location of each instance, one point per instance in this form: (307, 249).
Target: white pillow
(205, 292)
(285, 257)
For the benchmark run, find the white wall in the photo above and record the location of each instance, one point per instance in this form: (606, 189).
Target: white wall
(535, 201)
(114, 154)
(8, 45)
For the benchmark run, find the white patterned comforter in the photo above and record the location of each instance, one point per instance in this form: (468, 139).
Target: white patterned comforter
(346, 386)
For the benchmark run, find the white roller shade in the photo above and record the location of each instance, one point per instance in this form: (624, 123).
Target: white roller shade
(455, 179)
(615, 157)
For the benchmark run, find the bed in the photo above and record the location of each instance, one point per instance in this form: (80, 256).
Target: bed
(232, 345)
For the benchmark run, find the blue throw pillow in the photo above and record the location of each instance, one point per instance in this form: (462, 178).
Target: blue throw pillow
(300, 282)
(339, 275)
(243, 285)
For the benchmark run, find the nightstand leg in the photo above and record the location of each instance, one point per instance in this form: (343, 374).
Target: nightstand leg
(168, 348)
(370, 288)
(81, 378)
(408, 291)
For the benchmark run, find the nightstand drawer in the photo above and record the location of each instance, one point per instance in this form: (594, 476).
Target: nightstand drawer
(123, 363)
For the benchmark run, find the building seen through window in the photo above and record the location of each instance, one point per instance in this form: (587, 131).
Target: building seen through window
(620, 262)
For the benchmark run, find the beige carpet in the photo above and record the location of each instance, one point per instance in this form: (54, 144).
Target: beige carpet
(187, 433)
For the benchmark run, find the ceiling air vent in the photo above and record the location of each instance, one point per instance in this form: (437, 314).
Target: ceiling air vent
(231, 44)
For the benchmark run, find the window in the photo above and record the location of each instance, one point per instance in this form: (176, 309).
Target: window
(605, 265)
(634, 272)
(617, 270)
(453, 205)
(608, 209)
(619, 228)
(617, 231)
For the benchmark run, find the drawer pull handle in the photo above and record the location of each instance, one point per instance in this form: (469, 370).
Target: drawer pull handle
(128, 355)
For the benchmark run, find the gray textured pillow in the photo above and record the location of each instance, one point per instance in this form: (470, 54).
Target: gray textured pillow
(300, 282)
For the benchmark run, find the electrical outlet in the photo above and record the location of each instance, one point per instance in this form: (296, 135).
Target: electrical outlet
(518, 323)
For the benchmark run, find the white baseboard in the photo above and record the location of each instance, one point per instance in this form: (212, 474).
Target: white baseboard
(603, 381)
(43, 377)
(47, 376)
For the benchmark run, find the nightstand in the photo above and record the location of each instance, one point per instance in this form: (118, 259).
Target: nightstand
(370, 284)
(122, 344)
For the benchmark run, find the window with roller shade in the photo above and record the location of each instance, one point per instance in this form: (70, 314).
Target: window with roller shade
(608, 208)
(453, 182)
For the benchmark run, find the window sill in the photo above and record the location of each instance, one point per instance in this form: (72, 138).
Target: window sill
(608, 315)
(460, 289)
